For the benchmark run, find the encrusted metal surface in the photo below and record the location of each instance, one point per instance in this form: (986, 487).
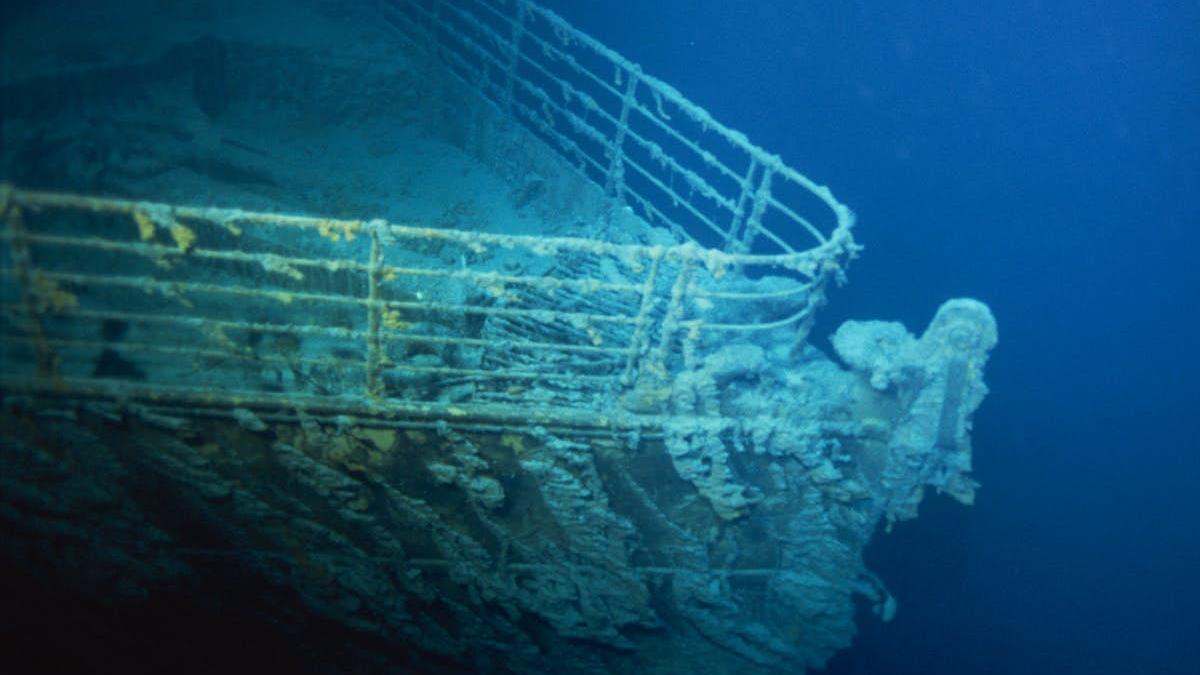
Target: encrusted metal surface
(256, 311)
(632, 134)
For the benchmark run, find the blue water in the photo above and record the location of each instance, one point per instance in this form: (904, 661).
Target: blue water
(1045, 158)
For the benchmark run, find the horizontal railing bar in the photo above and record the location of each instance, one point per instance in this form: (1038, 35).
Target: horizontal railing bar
(531, 114)
(766, 232)
(578, 124)
(377, 423)
(691, 177)
(735, 138)
(266, 260)
(542, 246)
(200, 323)
(611, 417)
(795, 217)
(678, 200)
(650, 208)
(668, 192)
(698, 115)
(501, 43)
(702, 154)
(544, 315)
(567, 146)
(750, 327)
(496, 11)
(287, 297)
(704, 187)
(135, 346)
(750, 295)
(389, 366)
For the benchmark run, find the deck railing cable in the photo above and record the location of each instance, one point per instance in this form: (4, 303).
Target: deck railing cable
(633, 135)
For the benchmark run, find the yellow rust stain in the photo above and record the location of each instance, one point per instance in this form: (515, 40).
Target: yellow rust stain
(335, 230)
(514, 442)
(145, 225)
(50, 296)
(392, 320)
(184, 237)
(381, 438)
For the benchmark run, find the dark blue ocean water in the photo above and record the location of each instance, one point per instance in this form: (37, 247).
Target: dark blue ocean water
(1045, 158)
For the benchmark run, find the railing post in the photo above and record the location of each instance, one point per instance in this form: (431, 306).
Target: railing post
(18, 248)
(637, 343)
(739, 212)
(761, 197)
(651, 387)
(614, 183)
(374, 365)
